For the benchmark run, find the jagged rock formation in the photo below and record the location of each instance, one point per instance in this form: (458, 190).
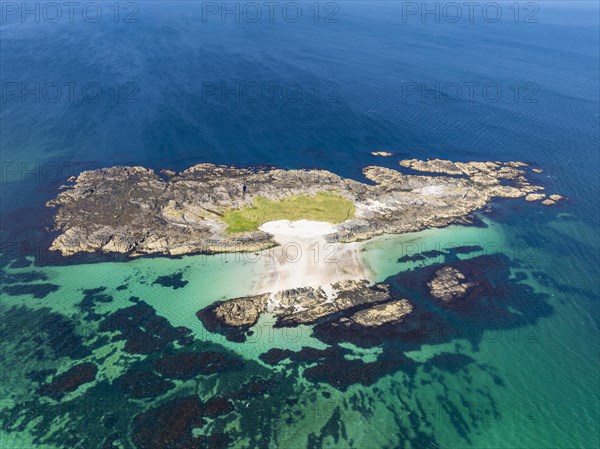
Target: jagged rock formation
(242, 311)
(307, 305)
(449, 285)
(382, 314)
(551, 200)
(136, 211)
(535, 197)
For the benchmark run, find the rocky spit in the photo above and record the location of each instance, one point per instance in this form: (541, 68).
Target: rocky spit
(373, 306)
(136, 211)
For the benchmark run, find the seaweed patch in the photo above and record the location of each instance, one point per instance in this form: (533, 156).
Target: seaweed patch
(174, 280)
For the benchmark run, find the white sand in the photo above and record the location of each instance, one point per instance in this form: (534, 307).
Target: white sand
(305, 258)
(301, 229)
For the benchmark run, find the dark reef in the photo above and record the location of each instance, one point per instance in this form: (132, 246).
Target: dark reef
(70, 380)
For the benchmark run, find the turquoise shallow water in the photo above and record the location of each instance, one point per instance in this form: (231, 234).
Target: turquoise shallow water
(528, 386)
(519, 369)
(532, 360)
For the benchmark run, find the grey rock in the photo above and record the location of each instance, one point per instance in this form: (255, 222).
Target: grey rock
(449, 285)
(135, 211)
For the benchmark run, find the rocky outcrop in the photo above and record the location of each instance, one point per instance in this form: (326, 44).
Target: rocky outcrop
(307, 305)
(449, 285)
(136, 211)
(70, 380)
(535, 197)
(552, 199)
(382, 153)
(382, 314)
(241, 311)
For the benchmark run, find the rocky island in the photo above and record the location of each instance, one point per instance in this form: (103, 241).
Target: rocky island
(210, 208)
(219, 209)
(449, 284)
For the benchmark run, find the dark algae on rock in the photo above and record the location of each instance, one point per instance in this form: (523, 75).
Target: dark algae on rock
(174, 281)
(70, 380)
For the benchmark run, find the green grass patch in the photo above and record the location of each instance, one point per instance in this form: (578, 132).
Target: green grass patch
(324, 206)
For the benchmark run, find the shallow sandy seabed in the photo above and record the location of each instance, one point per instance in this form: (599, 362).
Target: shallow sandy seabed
(304, 257)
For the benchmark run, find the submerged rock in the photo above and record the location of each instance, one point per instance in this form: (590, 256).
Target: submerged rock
(187, 365)
(342, 373)
(143, 330)
(143, 384)
(70, 380)
(174, 281)
(168, 425)
(172, 424)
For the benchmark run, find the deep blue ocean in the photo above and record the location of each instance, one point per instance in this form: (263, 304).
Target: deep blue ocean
(172, 84)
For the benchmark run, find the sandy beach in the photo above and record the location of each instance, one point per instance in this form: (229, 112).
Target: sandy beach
(304, 258)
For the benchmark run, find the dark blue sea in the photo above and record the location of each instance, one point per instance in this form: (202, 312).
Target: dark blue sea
(299, 85)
